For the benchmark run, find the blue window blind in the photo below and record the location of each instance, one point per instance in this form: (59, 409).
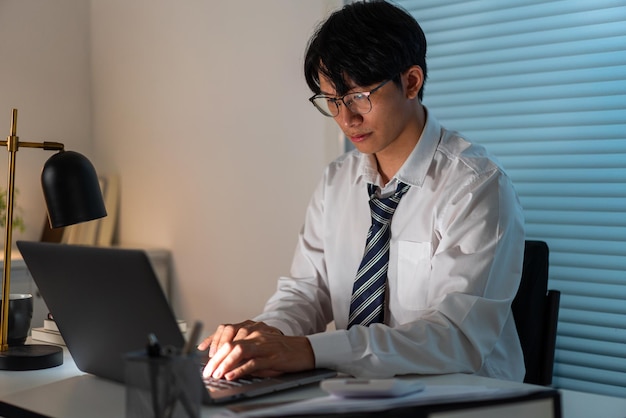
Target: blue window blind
(542, 84)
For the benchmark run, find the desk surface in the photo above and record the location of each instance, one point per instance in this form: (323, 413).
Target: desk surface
(65, 391)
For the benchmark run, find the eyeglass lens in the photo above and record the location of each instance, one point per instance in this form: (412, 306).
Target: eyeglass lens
(356, 102)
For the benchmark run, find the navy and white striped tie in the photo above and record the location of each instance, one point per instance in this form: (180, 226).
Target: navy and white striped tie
(368, 293)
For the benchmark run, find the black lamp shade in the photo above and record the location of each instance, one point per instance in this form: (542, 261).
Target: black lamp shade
(71, 189)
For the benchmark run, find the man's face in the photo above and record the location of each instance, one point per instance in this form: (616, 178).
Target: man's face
(384, 126)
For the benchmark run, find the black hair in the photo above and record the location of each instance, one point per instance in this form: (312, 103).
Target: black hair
(367, 43)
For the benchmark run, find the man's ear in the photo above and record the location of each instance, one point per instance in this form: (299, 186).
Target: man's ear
(413, 78)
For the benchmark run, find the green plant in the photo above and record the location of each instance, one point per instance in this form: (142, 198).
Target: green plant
(18, 221)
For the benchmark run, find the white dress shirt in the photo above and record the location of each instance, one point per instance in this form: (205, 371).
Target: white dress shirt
(457, 242)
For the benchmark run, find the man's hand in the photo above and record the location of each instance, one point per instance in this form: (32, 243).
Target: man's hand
(230, 332)
(254, 348)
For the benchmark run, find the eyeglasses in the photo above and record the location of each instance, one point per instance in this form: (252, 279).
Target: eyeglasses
(358, 102)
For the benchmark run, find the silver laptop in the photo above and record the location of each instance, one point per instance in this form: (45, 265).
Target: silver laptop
(106, 301)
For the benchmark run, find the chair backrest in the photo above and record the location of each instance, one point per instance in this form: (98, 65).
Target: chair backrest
(536, 310)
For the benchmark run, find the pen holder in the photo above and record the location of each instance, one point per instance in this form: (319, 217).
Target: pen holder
(164, 386)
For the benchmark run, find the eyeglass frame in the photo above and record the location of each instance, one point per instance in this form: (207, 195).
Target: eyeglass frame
(336, 100)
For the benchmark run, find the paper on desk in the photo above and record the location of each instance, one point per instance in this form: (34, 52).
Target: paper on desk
(332, 404)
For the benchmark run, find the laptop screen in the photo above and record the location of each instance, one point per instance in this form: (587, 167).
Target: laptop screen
(105, 302)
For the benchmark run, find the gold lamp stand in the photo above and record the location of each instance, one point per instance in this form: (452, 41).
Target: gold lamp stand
(34, 356)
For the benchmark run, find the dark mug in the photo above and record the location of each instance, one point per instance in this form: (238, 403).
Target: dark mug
(20, 315)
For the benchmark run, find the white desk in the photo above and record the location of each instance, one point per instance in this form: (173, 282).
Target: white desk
(66, 392)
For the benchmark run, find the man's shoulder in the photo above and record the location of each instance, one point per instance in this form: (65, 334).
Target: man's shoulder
(459, 150)
(347, 165)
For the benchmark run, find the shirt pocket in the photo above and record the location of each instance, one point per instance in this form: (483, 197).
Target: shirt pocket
(414, 269)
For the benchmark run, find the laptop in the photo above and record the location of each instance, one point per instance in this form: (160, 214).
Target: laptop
(106, 301)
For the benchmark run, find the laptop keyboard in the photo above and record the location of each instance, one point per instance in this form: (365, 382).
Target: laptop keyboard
(214, 385)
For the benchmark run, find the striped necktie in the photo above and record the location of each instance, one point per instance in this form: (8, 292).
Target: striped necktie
(368, 292)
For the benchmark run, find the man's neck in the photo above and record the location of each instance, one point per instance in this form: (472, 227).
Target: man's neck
(391, 159)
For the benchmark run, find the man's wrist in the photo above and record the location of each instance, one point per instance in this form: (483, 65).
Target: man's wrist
(307, 353)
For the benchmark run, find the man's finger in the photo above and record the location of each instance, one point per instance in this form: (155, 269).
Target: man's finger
(228, 357)
(224, 334)
(216, 360)
(206, 343)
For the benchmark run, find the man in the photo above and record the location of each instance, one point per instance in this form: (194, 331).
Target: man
(423, 285)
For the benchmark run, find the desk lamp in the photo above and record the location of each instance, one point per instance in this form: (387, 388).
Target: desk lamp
(72, 194)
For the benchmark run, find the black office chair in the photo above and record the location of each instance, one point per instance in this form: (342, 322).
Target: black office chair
(536, 312)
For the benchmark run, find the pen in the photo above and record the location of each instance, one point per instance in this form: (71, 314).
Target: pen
(192, 342)
(153, 349)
